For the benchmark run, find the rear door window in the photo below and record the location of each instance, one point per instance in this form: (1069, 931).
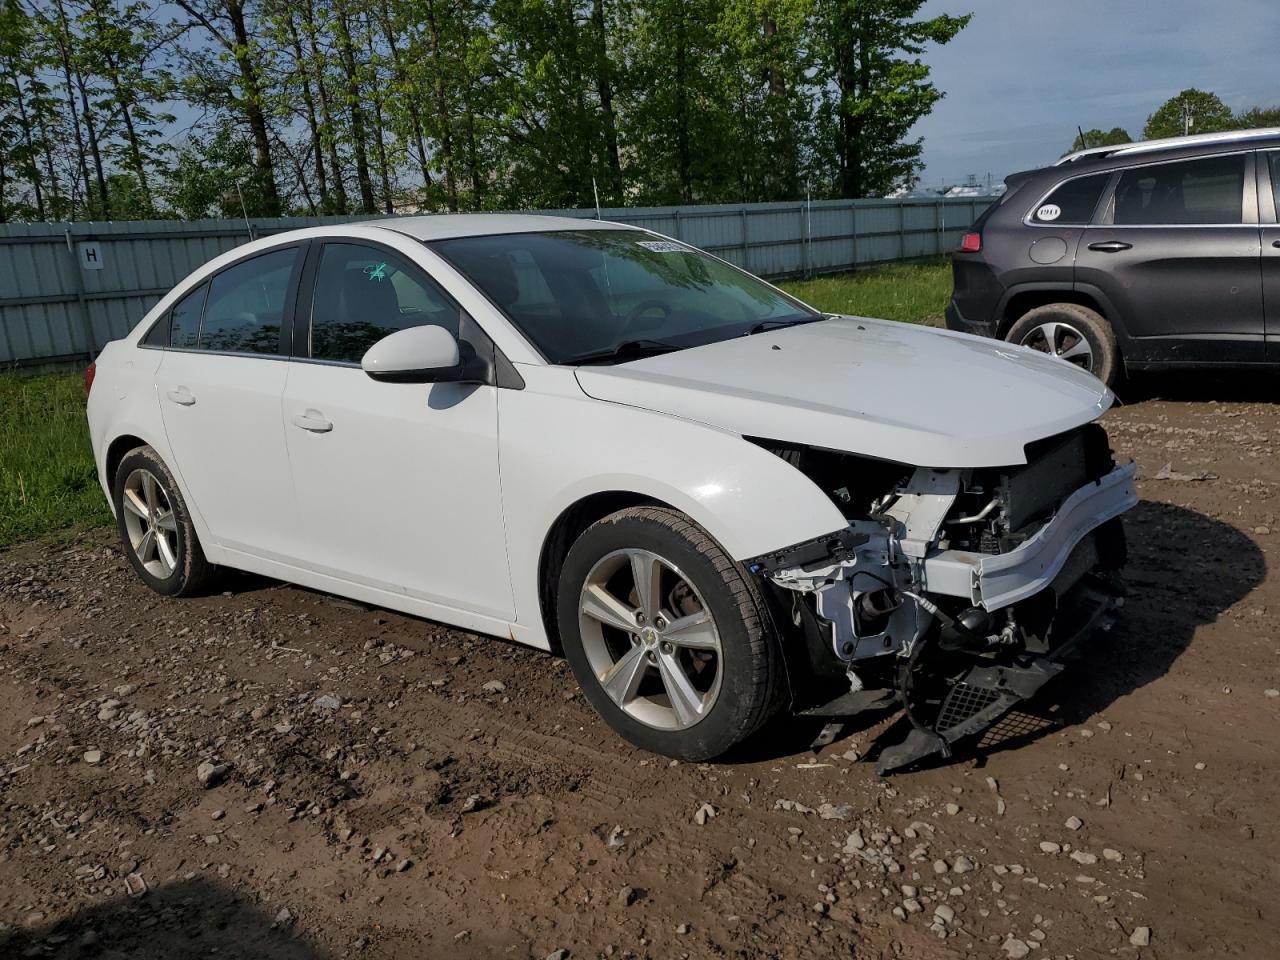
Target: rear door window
(1072, 202)
(246, 304)
(184, 320)
(1208, 190)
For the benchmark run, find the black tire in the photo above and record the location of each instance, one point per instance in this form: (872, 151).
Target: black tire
(191, 573)
(1088, 324)
(749, 660)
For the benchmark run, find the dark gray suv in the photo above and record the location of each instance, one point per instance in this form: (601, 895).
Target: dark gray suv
(1158, 254)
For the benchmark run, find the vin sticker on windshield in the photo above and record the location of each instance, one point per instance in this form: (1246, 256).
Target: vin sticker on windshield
(661, 246)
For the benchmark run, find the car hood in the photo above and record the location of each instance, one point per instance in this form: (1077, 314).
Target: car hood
(893, 391)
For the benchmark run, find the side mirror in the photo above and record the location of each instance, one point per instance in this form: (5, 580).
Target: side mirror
(427, 354)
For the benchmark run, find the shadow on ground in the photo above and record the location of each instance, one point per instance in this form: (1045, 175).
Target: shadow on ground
(191, 918)
(1185, 569)
(1206, 386)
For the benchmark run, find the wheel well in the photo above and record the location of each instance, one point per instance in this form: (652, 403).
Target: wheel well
(567, 528)
(116, 452)
(1021, 303)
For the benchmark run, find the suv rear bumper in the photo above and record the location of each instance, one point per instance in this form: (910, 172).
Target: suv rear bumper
(955, 320)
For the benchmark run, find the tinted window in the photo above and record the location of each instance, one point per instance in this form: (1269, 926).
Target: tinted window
(246, 304)
(364, 293)
(1190, 191)
(184, 319)
(1073, 201)
(1274, 160)
(575, 292)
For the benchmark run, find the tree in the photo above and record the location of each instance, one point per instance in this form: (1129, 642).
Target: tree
(870, 56)
(1206, 112)
(1256, 117)
(1100, 138)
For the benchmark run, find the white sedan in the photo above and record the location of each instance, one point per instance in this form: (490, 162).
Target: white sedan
(717, 501)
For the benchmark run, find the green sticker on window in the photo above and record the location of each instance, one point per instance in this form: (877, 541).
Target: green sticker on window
(376, 273)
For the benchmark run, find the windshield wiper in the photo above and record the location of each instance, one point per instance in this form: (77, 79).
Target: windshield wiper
(626, 350)
(778, 324)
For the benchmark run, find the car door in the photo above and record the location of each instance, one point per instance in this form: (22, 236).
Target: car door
(396, 483)
(1177, 255)
(1269, 216)
(219, 388)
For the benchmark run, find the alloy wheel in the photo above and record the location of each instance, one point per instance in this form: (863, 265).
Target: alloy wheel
(1061, 340)
(650, 638)
(150, 523)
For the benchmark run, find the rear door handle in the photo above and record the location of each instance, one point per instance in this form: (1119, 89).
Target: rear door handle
(1275, 243)
(1110, 246)
(313, 421)
(182, 395)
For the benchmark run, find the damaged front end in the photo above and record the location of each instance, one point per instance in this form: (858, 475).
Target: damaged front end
(953, 593)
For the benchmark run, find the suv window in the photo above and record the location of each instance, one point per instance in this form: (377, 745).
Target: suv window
(363, 293)
(1210, 190)
(1273, 158)
(246, 304)
(184, 323)
(1073, 201)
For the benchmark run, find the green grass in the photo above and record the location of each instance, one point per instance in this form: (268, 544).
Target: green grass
(911, 292)
(47, 478)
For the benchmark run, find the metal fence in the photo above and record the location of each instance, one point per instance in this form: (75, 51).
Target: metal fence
(66, 289)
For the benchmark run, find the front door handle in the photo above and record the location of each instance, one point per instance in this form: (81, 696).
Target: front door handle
(1275, 243)
(182, 395)
(313, 421)
(1110, 246)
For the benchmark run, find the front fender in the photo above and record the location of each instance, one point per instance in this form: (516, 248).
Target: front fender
(749, 500)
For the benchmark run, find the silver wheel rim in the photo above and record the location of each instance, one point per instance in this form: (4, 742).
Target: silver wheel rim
(650, 639)
(1061, 340)
(150, 524)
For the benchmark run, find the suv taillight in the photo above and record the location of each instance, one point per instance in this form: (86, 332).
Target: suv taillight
(89, 372)
(971, 243)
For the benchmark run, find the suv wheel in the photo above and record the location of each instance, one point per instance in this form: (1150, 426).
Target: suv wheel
(155, 526)
(1074, 333)
(668, 637)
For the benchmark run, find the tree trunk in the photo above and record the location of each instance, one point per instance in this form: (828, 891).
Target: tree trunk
(346, 53)
(326, 113)
(682, 110)
(308, 101)
(446, 125)
(604, 88)
(252, 106)
(33, 174)
(411, 106)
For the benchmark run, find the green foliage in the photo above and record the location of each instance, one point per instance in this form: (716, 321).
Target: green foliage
(875, 86)
(1208, 115)
(47, 477)
(1100, 138)
(915, 292)
(334, 106)
(1256, 117)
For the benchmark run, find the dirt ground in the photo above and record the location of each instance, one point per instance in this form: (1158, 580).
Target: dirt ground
(385, 787)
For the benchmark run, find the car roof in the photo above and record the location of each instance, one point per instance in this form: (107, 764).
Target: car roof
(452, 225)
(1224, 138)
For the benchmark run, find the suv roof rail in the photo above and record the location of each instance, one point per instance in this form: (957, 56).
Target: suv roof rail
(1143, 146)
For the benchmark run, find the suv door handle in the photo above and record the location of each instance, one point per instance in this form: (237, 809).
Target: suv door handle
(1275, 243)
(313, 421)
(1110, 246)
(182, 396)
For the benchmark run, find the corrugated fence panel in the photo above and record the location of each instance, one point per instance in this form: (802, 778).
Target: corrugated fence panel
(53, 307)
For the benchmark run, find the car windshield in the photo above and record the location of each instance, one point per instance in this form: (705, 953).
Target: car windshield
(606, 296)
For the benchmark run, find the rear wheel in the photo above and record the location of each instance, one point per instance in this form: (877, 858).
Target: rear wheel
(667, 636)
(1073, 332)
(155, 526)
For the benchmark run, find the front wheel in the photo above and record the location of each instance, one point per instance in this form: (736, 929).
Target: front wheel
(668, 637)
(1074, 333)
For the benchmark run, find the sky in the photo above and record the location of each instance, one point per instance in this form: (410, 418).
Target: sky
(1023, 73)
